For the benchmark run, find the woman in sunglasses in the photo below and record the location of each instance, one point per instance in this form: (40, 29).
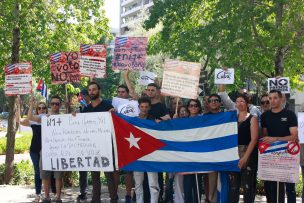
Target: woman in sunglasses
(248, 129)
(35, 147)
(193, 182)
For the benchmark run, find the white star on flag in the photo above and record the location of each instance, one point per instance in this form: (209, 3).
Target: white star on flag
(133, 141)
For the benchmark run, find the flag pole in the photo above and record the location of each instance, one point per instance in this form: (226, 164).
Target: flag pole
(66, 99)
(278, 185)
(176, 108)
(197, 188)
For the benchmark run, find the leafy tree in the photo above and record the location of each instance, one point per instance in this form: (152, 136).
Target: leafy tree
(31, 30)
(258, 38)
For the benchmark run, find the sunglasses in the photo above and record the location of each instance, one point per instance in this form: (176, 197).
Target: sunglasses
(213, 100)
(41, 108)
(121, 91)
(55, 104)
(193, 105)
(264, 102)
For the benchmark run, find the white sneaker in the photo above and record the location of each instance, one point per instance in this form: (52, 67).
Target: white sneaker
(37, 199)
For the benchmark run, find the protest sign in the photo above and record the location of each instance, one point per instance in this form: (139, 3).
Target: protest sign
(129, 53)
(224, 76)
(77, 143)
(279, 161)
(146, 77)
(93, 60)
(301, 126)
(65, 67)
(18, 79)
(125, 106)
(281, 84)
(181, 79)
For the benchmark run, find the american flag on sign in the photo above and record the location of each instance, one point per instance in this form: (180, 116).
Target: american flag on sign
(121, 41)
(84, 48)
(10, 68)
(55, 57)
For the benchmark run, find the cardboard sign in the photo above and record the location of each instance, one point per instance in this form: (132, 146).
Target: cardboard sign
(146, 77)
(224, 76)
(181, 79)
(301, 126)
(93, 60)
(125, 106)
(18, 79)
(65, 67)
(77, 143)
(281, 84)
(129, 53)
(279, 161)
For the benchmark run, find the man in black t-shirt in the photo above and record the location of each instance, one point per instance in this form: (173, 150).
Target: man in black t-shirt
(98, 105)
(278, 125)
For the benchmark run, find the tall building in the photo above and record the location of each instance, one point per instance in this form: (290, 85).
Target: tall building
(130, 12)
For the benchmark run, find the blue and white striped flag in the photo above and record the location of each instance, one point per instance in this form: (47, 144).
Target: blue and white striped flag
(121, 41)
(84, 48)
(55, 57)
(10, 68)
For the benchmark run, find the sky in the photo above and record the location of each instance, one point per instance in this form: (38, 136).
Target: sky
(112, 12)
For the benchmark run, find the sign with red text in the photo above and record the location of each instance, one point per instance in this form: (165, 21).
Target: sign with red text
(224, 76)
(65, 67)
(93, 60)
(18, 79)
(77, 143)
(281, 84)
(129, 53)
(181, 79)
(279, 161)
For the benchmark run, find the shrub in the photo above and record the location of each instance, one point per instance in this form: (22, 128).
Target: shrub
(22, 144)
(23, 173)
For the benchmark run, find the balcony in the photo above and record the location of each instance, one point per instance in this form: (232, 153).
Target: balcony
(127, 2)
(148, 5)
(131, 11)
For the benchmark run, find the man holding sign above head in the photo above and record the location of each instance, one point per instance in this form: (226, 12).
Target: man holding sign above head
(279, 125)
(46, 175)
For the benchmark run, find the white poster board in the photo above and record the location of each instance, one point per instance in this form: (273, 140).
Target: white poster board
(281, 84)
(77, 143)
(146, 77)
(181, 79)
(125, 106)
(224, 76)
(279, 162)
(301, 126)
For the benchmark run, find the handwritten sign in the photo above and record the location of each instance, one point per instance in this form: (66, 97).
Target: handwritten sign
(301, 126)
(125, 106)
(65, 67)
(18, 79)
(279, 161)
(181, 79)
(93, 60)
(146, 77)
(224, 76)
(77, 143)
(281, 84)
(129, 53)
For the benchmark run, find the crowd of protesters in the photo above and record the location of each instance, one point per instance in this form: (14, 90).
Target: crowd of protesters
(271, 122)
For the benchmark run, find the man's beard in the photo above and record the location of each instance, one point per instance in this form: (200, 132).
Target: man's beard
(94, 97)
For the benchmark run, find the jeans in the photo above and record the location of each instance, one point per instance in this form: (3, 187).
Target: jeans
(153, 186)
(169, 187)
(271, 191)
(190, 188)
(35, 159)
(83, 181)
(291, 192)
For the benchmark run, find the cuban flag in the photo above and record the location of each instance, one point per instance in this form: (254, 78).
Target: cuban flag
(203, 143)
(81, 100)
(277, 146)
(84, 48)
(55, 57)
(121, 41)
(42, 87)
(10, 69)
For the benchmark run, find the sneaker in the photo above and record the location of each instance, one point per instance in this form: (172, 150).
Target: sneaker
(58, 200)
(82, 197)
(37, 198)
(128, 199)
(46, 200)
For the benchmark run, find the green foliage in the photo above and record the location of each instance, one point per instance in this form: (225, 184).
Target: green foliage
(248, 36)
(22, 144)
(23, 173)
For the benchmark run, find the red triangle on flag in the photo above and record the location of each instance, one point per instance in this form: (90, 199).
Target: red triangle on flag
(263, 147)
(39, 86)
(132, 143)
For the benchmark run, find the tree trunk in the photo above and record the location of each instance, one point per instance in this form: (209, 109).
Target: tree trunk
(279, 56)
(12, 125)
